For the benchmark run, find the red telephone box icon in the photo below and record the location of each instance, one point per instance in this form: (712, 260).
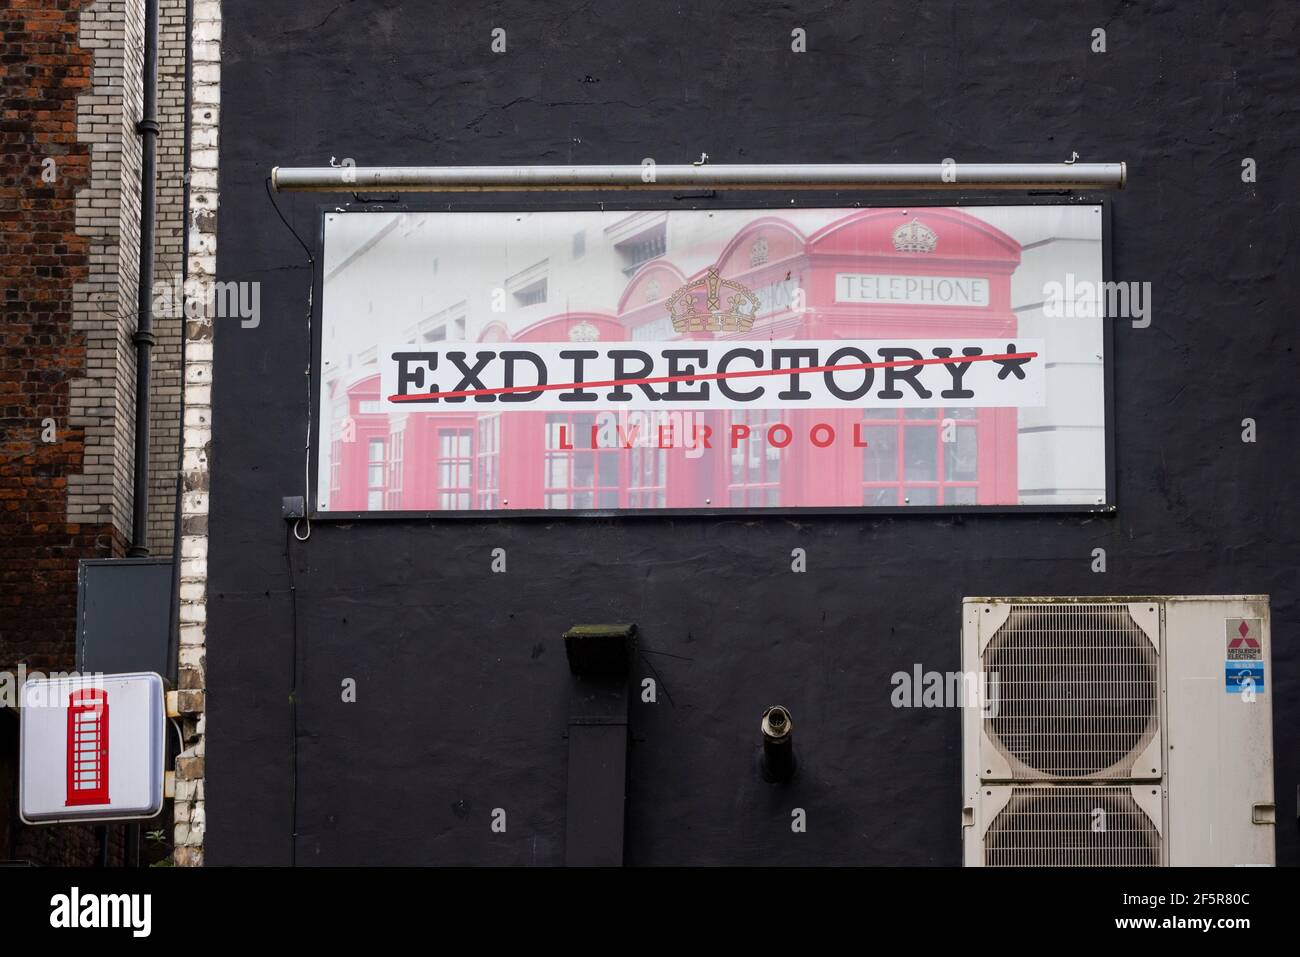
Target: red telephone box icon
(88, 747)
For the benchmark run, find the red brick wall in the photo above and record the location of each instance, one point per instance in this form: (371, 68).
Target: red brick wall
(41, 257)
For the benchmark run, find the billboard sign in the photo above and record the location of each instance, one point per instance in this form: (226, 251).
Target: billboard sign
(710, 359)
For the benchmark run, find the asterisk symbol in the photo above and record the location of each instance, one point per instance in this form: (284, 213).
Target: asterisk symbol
(1011, 366)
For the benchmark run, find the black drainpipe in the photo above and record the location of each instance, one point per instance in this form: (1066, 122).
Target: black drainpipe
(144, 338)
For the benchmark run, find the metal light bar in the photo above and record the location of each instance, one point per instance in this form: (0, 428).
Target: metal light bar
(844, 176)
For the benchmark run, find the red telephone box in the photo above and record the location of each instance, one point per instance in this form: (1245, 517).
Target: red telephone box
(913, 456)
(88, 747)
(360, 456)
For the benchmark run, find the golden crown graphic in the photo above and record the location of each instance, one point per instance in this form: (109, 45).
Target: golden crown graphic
(914, 237)
(697, 306)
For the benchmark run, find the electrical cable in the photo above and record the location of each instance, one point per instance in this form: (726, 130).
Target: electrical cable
(291, 534)
(293, 698)
(311, 290)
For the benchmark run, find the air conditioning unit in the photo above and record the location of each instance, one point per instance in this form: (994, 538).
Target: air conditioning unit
(1128, 732)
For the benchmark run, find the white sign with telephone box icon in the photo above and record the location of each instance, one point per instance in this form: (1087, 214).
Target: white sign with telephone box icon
(92, 748)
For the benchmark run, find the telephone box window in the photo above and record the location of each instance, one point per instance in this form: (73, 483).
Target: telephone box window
(455, 468)
(907, 461)
(920, 454)
(336, 469)
(488, 461)
(397, 452)
(375, 458)
(960, 456)
(755, 462)
(579, 477)
(648, 486)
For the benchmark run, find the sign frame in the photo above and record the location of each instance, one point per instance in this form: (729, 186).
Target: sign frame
(702, 201)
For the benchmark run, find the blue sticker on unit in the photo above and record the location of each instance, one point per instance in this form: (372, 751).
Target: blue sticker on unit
(1239, 675)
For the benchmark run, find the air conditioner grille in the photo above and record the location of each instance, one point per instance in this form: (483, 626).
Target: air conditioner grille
(1077, 691)
(1083, 826)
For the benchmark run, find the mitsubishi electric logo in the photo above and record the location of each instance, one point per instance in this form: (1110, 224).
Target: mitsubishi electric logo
(76, 910)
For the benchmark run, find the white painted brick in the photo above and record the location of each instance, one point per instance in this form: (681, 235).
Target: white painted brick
(204, 116)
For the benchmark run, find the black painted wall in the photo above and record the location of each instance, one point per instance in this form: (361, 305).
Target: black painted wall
(463, 686)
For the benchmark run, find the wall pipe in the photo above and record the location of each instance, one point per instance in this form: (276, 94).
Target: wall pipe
(846, 176)
(777, 728)
(144, 338)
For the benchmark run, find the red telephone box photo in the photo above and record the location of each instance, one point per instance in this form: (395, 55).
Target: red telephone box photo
(87, 755)
(934, 283)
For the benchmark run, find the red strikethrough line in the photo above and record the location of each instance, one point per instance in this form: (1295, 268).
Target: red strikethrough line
(704, 376)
